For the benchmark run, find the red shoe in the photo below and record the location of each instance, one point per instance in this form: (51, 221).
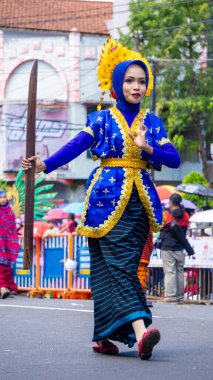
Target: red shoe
(107, 348)
(146, 344)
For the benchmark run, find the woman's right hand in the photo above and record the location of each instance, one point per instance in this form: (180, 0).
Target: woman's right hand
(39, 165)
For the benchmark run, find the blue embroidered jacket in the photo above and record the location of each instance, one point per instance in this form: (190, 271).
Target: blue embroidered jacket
(110, 185)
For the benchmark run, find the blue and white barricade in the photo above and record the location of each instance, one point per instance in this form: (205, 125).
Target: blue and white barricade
(24, 278)
(48, 271)
(55, 250)
(80, 278)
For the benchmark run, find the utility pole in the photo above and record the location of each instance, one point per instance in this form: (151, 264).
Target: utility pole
(154, 97)
(209, 41)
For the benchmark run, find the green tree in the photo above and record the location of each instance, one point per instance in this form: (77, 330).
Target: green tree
(177, 33)
(196, 177)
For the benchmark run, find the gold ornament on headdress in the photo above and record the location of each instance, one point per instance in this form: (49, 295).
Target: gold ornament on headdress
(111, 55)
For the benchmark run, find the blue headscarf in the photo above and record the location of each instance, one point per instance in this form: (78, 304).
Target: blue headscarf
(117, 81)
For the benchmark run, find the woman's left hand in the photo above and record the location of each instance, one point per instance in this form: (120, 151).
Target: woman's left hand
(140, 139)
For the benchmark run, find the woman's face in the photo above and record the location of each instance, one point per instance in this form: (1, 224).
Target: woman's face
(134, 85)
(3, 199)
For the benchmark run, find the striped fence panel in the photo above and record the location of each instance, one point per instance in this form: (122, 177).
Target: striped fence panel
(198, 283)
(54, 252)
(25, 279)
(80, 278)
(48, 272)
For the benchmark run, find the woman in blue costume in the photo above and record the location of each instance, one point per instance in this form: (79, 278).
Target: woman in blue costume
(121, 201)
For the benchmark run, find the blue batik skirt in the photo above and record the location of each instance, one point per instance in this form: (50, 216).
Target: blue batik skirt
(118, 296)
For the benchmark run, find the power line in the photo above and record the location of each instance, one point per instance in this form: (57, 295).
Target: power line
(90, 70)
(182, 61)
(101, 8)
(24, 72)
(98, 14)
(50, 14)
(52, 74)
(177, 26)
(168, 4)
(86, 71)
(81, 126)
(150, 30)
(160, 60)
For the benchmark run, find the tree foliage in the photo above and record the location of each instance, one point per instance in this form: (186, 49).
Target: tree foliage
(197, 178)
(2, 184)
(178, 34)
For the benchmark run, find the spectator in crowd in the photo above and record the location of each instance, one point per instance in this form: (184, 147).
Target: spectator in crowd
(71, 225)
(52, 229)
(173, 246)
(9, 246)
(190, 289)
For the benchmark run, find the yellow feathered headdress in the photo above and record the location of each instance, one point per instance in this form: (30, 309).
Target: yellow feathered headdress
(111, 55)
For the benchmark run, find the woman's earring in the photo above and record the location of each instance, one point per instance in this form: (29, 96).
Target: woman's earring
(101, 100)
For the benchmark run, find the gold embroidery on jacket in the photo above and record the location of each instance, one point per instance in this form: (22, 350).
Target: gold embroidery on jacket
(130, 149)
(131, 175)
(113, 218)
(146, 201)
(88, 130)
(163, 141)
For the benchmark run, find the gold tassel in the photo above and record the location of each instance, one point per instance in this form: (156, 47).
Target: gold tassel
(101, 100)
(143, 275)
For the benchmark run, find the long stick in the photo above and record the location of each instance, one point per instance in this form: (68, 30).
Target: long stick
(30, 175)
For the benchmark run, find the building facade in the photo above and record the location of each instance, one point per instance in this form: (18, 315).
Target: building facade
(191, 161)
(67, 85)
(65, 38)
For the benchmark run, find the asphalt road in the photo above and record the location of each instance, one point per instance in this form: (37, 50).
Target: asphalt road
(46, 339)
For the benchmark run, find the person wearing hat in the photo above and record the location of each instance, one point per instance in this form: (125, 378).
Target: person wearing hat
(174, 246)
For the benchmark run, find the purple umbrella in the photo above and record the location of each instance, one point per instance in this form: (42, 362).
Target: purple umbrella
(186, 203)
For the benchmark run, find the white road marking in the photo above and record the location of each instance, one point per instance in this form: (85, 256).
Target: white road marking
(47, 308)
(56, 308)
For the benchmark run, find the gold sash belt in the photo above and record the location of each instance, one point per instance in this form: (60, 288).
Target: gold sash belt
(134, 163)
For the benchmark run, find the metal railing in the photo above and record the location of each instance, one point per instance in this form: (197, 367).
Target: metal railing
(48, 275)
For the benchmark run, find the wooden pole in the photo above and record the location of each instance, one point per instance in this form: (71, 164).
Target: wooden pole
(30, 174)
